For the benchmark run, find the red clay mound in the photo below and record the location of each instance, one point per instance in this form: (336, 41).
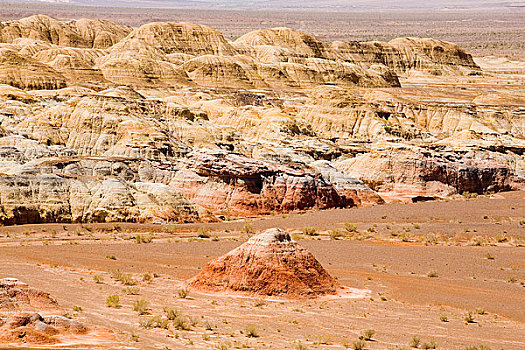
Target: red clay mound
(269, 264)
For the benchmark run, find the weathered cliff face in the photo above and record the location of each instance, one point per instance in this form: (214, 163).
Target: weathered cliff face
(405, 172)
(224, 182)
(172, 122)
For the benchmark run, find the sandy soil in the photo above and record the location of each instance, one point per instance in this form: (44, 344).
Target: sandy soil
(398, 298)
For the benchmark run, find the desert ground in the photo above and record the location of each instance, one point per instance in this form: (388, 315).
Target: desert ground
(410, 267)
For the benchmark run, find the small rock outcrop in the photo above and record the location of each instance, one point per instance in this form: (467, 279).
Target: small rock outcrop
(268, 264)
(30, 317)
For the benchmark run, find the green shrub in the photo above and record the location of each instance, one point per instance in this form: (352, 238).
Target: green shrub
(349, 227)
(469, 318)
(141, 306)
(131, 290)
(335, 234)
(431, 345)
(171, 313)
(147, 277)
(369, 333)
(251, 331)
(248, 229)
(181, 323)
(415, 342)
(432, 274)
(140, 238)
(113, 301)
(358, 345)
(310, 231)
(183, 293)
(203, 232)
(154, 322)
(98, 278)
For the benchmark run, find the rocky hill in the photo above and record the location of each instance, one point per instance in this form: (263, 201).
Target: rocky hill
(171, 122)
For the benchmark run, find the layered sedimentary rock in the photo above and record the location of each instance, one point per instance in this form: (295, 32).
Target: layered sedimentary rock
(405, 55)
(269, 264)
(85, 33)
(172, 122)
(413, 171)
(32, 318)
(27, 73)
(225, 182)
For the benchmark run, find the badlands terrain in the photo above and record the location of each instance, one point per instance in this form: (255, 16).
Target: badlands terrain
(135, 161)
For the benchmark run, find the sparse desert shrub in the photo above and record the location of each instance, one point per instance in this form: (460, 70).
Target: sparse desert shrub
(127, 280)
(98, 278)
(310, 231)
(124, 278)
(476, 241)
(479, 347)
(247, 229)
(431, 345)
(141, 306)
(349, 227)
(111, 257)
(480, 311)
(134, 337)
(77, 308)
(335, 234)
(432, 274)
(209, 326)
(147, 277)
(369, 333)
(358, 345)
(203, 232)
(415, 342)
(405, 237)
(251, 331)
(469, 318)
(132, 290)
(259, 303)
(171, 313)
(140, 238)
(154, 322)
(113, 301)
(183, 293)
(502, 237)
(300, 346)
(443, 318)
(431, 239)
(181, 323)
(489, 256)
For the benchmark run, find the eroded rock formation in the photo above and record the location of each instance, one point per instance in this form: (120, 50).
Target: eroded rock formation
(269, 264)
(30, 317)
(171, 122)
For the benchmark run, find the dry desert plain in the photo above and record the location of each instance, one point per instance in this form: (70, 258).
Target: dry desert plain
(411, 265)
